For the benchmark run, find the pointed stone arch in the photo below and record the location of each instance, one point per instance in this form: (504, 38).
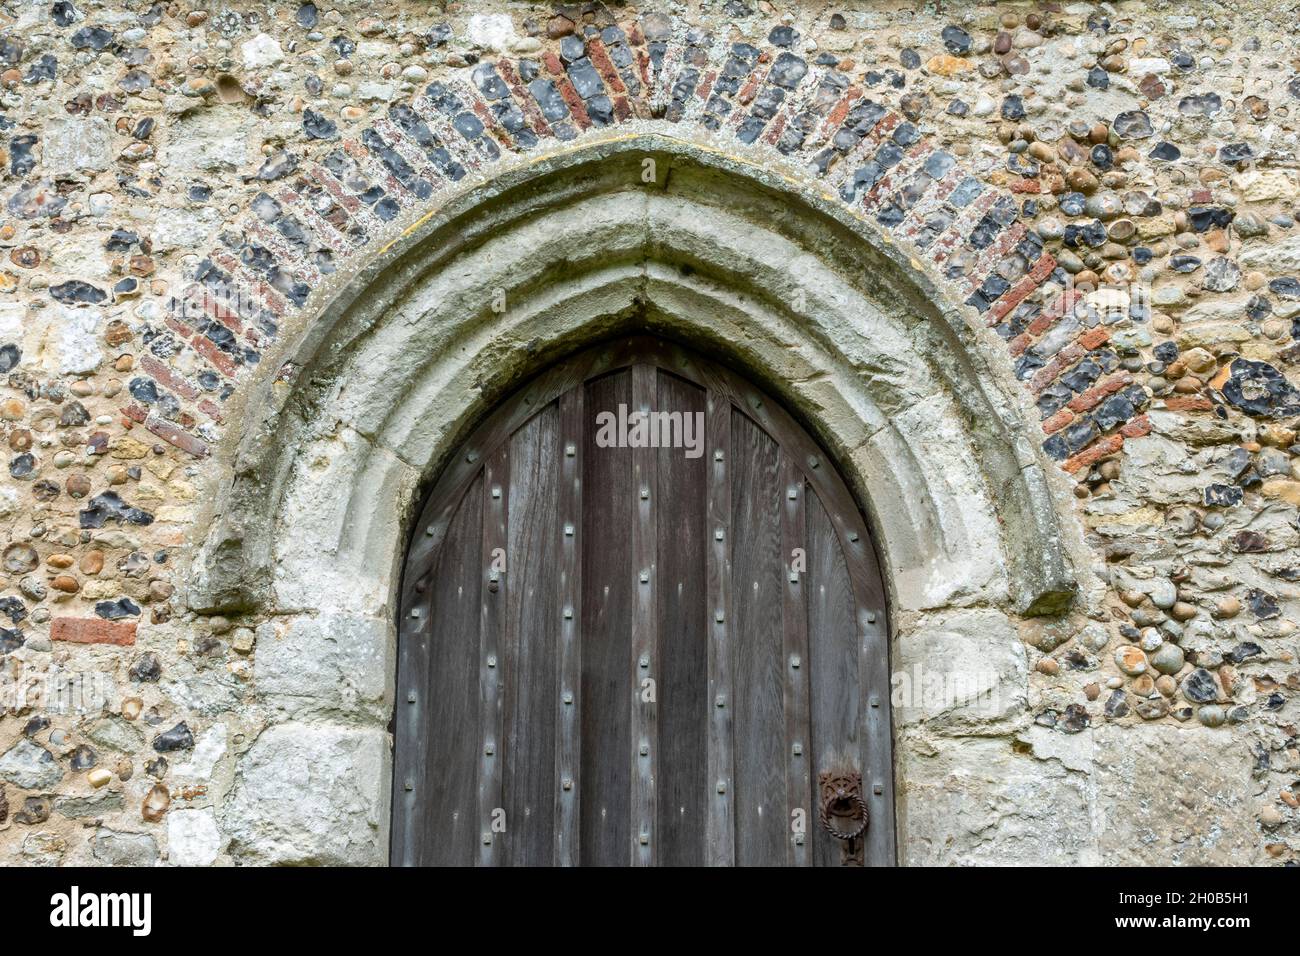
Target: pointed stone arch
(864, 343)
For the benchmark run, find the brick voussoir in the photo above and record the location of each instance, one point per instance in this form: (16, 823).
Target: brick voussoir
(1093, 396)
(656, 89)
(1098, 450)
(599, 57)
(577, 109)
(1054, 423)
(1063, 359)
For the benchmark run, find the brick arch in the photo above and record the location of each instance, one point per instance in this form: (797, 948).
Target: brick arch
(308, 232)
(818, 304)
(372, 391)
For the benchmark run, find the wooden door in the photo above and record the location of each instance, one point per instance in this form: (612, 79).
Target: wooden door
(645, 640)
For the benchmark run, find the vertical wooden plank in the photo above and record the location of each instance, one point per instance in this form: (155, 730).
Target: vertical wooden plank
(720, 796)
(528, 671)
(875, 727)
(682, 781)
(757, 578)
(436, 767)
(496, 472)
(834, 662)
(799, 793)
(607, 596)
(644, 661)
(568, 557)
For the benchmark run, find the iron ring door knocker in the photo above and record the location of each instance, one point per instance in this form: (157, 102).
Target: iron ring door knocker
(843, 813)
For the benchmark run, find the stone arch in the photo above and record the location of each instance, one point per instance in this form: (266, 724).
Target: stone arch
(859, 339)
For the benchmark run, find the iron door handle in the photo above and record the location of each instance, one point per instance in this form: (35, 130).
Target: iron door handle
(843, 811)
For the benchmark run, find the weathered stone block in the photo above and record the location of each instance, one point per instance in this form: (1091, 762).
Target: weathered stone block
(330, 662)
(30, 766)
(1167, 794)
(216, 138)
(960, 671)
(311, 794)
(192, 837)
(77, 145)
(124, 849)
(986, 801)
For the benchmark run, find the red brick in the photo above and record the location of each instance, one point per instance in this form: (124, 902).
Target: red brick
(1094, 452)
(835, 118)
(1062, 360)
(526, 103)
(92, 630)
(1137, 427)
(164, 375)
(1093, 338)
(600, 60)
(774, 132)
(176, 325)
(1043, 267)
(208, 349)
(1026, 186)
(1058, 421)
(176, 436)
(1093, 396)
(1032, 280)
(210, 408)
(1011, 299)
(643, 65)
(567, 92)
(706, 85)
(1188, 403)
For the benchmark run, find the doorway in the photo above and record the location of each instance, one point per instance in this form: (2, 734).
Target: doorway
(642, 623)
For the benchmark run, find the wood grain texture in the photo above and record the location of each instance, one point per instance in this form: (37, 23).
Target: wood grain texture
(607, 608)
(833, 662)
(682, 771)
(759, 716)
(794, 551)
(494, 590)
(568, 559)
(643, 664)
(441, 812)
(520, 693)
(529, 649)
(720, 829)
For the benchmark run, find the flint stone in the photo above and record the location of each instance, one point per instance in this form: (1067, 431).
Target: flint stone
(1258, 388)
(30, 766)
(1200, 687)
(124, 849)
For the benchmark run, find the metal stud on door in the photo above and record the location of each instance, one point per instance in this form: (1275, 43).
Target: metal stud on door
(664, 650)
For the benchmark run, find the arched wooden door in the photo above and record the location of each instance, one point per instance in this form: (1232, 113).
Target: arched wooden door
(614, 653)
